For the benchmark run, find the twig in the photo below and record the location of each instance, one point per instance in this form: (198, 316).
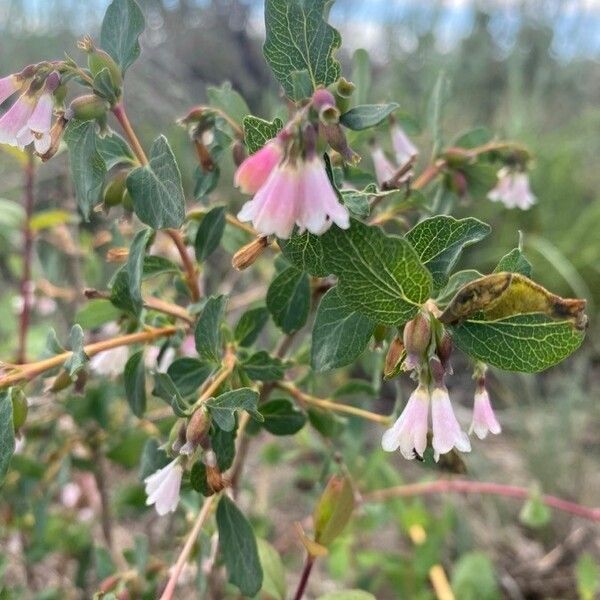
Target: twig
(187, 548)
(28, 371)
(26, 283)
(465, 486)
(304, 398)
(222, 375)
(191, 273)
(306, 571)
(121, 116)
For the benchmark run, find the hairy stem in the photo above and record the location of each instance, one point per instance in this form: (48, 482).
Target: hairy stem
(465, 486)
(26, 283)
(169, 590)
(121, 116)
(29, 371)
(191, 273)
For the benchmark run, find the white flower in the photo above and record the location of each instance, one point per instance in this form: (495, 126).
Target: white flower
(513, 189)
(110, 362)
(405, 150)
(162, 487)
(447, 433)
(484, 419)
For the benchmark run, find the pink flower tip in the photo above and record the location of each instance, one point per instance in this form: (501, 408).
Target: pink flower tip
(403, 147)
(513, 190)
(8, 86)
(384, 169)
(447, 433)
(409, 432)
(252, 174)
(484, 419)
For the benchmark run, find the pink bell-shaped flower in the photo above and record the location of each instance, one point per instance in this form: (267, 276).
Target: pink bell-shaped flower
(384, 169)
(318, 204)
(447, 433)
(409, 432)
(513, 190)
(484, 419)
(274, 208)
(8, 86)
(162, 487)
(15, 120)
(252, 174)
(405, 150)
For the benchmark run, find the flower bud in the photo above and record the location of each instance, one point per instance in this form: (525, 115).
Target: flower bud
(324, 103)
(177, 436)
(114, 191)
(238, 152)
(213, 476)
(417, 336)
(99, 59)
(393, 357)
(444, 350)
(334, 509)
(337, 140)
(56, 133)
(195, 432)
(460, 184)
(87, 108)
(457, 157)
(247, 255)
(342, 90)
(119, 254)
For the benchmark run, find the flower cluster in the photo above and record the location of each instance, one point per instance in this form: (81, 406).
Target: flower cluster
(29, 119)
(405, 152)
(427, 355)
(289, 181)
(512, 189)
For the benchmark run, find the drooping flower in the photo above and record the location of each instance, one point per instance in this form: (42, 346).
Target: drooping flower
(252, 174)
(37, 129)
(409, 432)
(405, 150)
(384, 169)
(318, 206)
(162, 487)
(484, 419)
(447, 433)
(8, 86)
(416, 338)
(274, 208)
(513, 189)
(15, 120)
(110, 363)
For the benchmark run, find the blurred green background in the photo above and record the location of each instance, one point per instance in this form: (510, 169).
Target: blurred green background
(529, 71)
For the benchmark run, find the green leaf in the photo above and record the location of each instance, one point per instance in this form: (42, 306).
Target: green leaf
(333, 510)
(210, 232)
(188, 374)
(120, 296)
(298, 38)
(114, 150)
(238, 547)
(361, 75)
(302, 85)
(340, 333)
(96, 313)
(535, 513)
(122, 25)
(435, 110)
(198, 479)
(473, 578)
(367, 115)
(455, 282)
(104, 86)
(274, 585)
(78, 358)
(514, 262)
(528, 343)
(380, 276)
(228, 100)
(134, 379)
(357, 201)
(439, 241)
(205, 181)
(250, 325)
(87, 165)
(223, 443)
(261, 366)
(481, 178)
(288, 299)
(165, 389)
(135, 266)
(153, 458)
(7, 433)
(208, 329)
(348, 595)
(156, 189)
(473, 138)
(257, 132)
(587, 575)
(282, 417)
(223, 407)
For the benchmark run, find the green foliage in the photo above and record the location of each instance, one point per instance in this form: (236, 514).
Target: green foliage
(348, 595)
(156, 189)
(134, 379)
(340, 334)
(299, 39)
(534, 512)
(514, 262)
(238, 547)
(288, 299)
(261, 366)
(274, 584)
(188, 374)
(587, 574)
(473, 578)
(228, 100)
(223, 407)
(528, 343)
(7, 433)
(78, 358)
(123, 23)
(257, 132)
(281, 417)
(87, 165)
(135, 267)
(210, 232)
(114, 150)
(250, 325)
(367, 115)
(208, 329)
(165, 389)
(439, 241)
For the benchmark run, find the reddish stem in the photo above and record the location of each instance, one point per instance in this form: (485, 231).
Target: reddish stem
(308, 565)
(121, 116)
(26, 283)
(442, 486)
